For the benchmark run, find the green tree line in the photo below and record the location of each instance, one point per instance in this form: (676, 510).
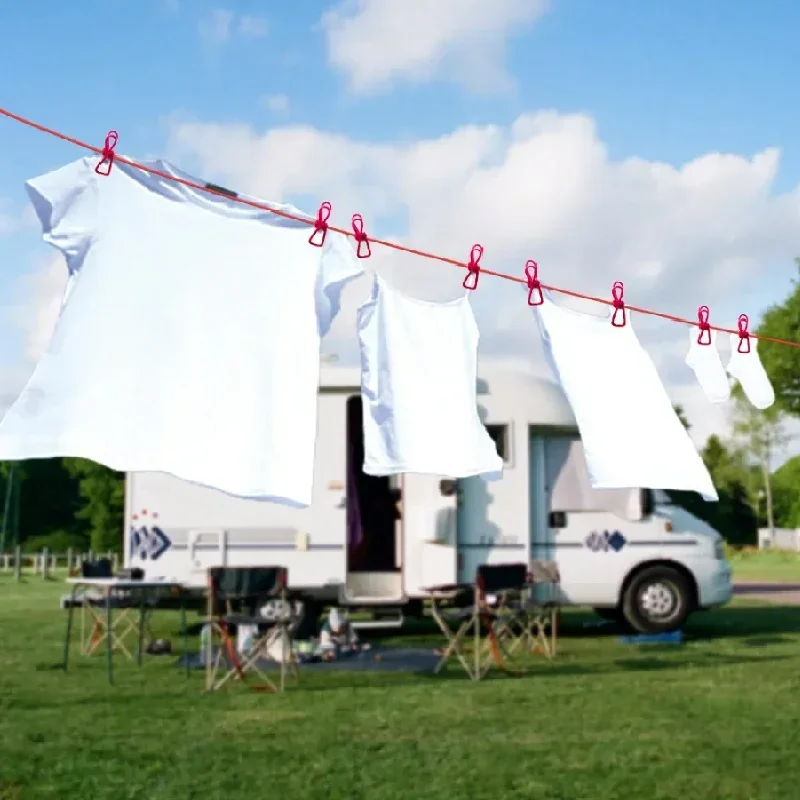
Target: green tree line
(61, 503)
(71, 502)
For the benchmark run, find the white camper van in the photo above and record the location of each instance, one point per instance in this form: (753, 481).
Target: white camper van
(371, 542)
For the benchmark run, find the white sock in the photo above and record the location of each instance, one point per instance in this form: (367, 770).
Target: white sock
(749, 371)
(707, 366)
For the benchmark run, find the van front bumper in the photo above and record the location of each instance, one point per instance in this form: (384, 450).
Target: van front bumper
(717, 588)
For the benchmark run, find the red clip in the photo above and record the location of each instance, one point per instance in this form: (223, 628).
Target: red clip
(321, 225)
(361, 237)
(744, 335)
(532, 274)
(108, 154)
(617, 291)
(474, 267)
(704, 337)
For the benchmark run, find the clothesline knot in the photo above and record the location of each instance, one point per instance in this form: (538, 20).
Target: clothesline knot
(617, 292)
(535, 296)
(107, 157)
(321, 225)
(704, 337)
(744, 335)
(473, 268)
(363, 250)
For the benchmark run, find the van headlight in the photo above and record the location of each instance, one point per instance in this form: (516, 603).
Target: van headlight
(719, 550)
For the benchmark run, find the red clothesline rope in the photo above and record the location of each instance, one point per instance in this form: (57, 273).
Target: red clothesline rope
(320, 225)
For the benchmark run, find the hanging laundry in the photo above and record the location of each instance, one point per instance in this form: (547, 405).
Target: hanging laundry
(706, 364)
(189, 342)
(419, 364)
(631, 435)
(745, 365)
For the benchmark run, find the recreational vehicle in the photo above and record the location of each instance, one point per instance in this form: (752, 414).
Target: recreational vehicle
(378, 543)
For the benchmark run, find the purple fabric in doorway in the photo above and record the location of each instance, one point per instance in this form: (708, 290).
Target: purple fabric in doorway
(355, 534)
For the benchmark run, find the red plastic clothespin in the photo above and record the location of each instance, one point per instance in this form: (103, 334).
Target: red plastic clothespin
(321, 225)
(473, 268)
(704, 337)
(535, 296)
(361, 237)
(744, 334)
(617, 291)
(108, 154)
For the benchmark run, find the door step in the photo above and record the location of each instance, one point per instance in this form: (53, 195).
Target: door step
(380, 624)
(373, 588)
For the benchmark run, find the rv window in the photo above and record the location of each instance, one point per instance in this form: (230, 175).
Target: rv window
(499, 434)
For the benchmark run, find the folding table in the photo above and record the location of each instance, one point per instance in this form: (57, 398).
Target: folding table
(115, 630)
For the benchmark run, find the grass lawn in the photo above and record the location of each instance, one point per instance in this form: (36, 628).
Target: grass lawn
(766, 565)
(715, 718)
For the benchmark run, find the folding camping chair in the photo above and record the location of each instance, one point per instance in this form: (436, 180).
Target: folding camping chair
(539, 611)
(496, 603)
(235, 597)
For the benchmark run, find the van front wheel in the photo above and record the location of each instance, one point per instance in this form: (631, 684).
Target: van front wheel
(656, 601)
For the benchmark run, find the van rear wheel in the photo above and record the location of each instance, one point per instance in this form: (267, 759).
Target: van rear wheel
(657, 600)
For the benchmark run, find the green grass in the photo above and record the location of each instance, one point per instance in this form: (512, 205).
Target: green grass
(715, 718)
(765, 565)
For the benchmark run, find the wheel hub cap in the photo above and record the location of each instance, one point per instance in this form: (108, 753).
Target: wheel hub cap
(658, 600)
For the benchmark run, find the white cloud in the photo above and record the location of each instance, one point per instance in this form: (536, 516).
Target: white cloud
(221, 24)
(276, 103)
(11, 221)
(378, 42)
(39, 296)
(543, 188)
(216, 27)
(253, 26)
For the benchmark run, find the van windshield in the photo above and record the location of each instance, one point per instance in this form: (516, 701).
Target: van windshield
(662, 498)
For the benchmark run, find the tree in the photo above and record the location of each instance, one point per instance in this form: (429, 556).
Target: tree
(47, 501)
(681, 414)
(733, 515)
(786, 494)
(782, 363)
(102, 492)
(762, 435)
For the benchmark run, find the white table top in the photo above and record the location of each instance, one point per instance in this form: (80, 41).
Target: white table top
(123, 583)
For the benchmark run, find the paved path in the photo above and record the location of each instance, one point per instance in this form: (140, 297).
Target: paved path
(787, 594)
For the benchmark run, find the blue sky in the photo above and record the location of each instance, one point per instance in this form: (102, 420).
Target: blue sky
(664, 80)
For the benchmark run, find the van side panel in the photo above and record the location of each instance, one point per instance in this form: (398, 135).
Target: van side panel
(176, 529)
(492, 515)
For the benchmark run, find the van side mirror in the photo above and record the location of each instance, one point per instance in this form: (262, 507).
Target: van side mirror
(448, 487)
(648, 502)
(557, 520)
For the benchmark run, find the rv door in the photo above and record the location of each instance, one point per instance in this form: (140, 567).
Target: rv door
(430, 550)
(207, 548)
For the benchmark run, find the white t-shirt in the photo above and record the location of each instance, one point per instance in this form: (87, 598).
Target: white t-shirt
(419, 364)
(631, 435)
(189, 340)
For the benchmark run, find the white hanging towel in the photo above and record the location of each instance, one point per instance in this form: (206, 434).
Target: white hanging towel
(706, 364)
(745, 365)
(419, 365)
(189, 342)
(631, 435)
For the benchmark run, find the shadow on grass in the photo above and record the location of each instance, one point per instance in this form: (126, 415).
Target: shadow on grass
(745, 621)
(732, 621)
(361, 679)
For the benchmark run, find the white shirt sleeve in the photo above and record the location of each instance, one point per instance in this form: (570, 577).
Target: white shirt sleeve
(338, 266)
(65, 201)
